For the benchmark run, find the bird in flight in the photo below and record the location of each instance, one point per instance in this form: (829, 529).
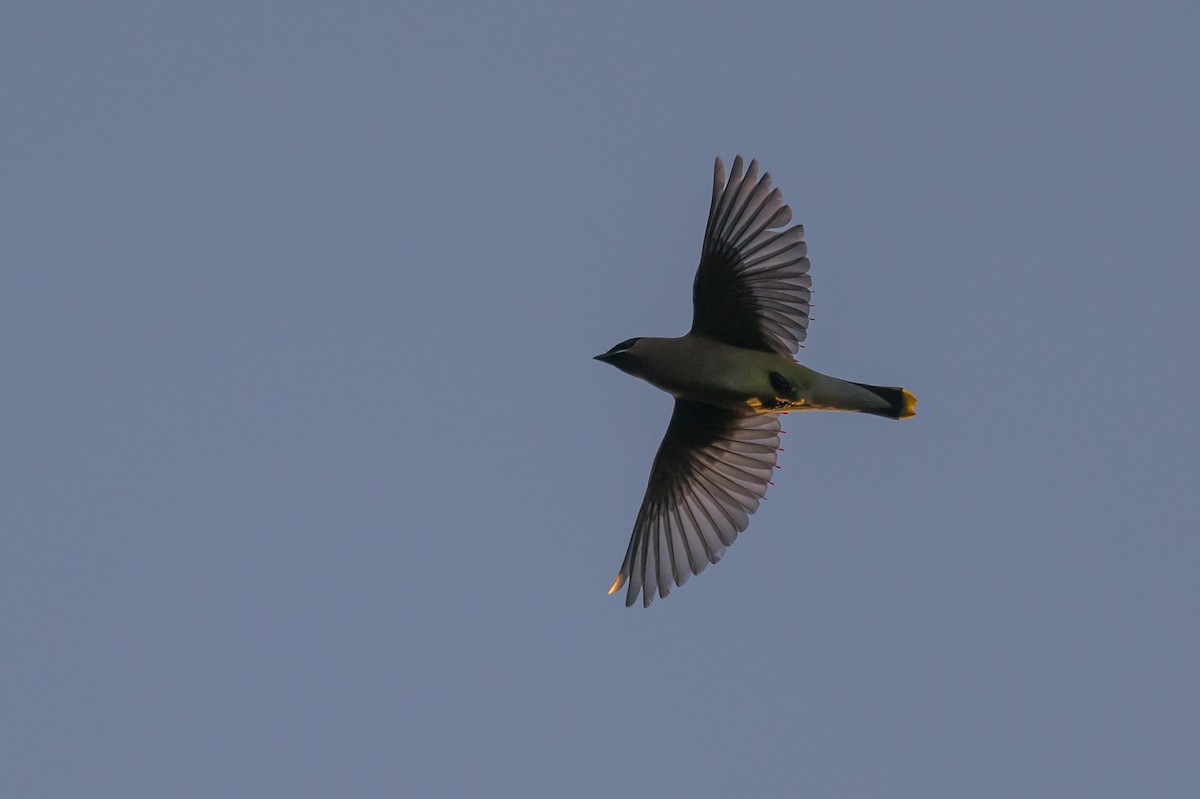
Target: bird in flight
(730, 375)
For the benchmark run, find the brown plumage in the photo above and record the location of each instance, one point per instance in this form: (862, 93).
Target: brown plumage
(729, 375)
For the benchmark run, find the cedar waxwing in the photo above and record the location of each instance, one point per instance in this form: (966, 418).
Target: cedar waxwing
(729, 375)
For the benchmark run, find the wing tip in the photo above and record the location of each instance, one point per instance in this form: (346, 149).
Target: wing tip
(617, 583)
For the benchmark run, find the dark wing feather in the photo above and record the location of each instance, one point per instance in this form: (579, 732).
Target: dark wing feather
(712, 469)
(752, 288)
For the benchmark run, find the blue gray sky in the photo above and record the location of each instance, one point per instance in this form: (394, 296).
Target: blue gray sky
(310, 486)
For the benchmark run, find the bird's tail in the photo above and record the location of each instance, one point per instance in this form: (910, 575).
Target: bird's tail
(805, 390)
(901, 404)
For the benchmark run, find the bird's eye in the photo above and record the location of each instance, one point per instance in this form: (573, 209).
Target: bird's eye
(624, 345)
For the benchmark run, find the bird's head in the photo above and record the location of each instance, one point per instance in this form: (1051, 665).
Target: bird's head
(622, 356)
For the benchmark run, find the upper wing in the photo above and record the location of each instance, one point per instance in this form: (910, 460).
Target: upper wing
(711, 470)
(752, 288)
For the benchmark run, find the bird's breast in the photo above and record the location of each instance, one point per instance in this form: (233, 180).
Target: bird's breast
(704, 370)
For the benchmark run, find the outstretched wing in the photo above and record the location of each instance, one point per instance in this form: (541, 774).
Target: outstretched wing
(752, 289)
(712, 469)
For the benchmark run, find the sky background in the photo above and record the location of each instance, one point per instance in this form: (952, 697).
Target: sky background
(309, 486)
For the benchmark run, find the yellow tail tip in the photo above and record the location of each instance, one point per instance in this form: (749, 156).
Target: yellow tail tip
(910, 405)
(617, 583)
